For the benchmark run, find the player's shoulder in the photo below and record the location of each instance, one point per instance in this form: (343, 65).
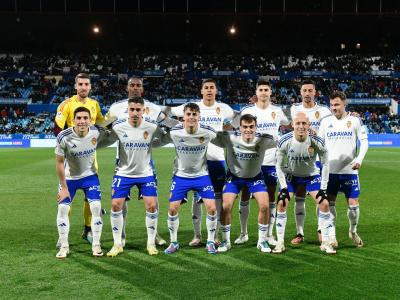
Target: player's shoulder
(64, 104)
(355, 119)
(327, 118)
(177, 127)
(247, 109)
(285, 138)
(151, 105)
(119, 103)
(317, 140)
(264, 136)
(325, 109)
(118, 123)
(150, 124)
(207, 128)
(63, 134)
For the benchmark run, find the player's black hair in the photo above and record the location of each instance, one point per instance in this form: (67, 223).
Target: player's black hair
(81, 109)
(338, 94)
(136, 99)
(248, 118)
(308, 81)
(208, 80)
(263, 81)
(135, 77)
(192, 106)
(82, 75)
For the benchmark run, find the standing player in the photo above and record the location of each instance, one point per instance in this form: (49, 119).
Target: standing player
(245, 154)
(75, 166)
(315, 113)
(191, 140)
(341, 133)
(299, 151)
(269, 119)
(135, 137)
(152, 113)
(65, 119)
(213, 114)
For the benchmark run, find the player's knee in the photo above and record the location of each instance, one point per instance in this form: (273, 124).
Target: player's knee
(324, 206)
(264, 208)
(152, 207)
(116, 206)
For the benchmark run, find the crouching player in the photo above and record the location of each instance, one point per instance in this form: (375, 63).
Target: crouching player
(299, 150)
(75, 166)
(135, 137)
(190, 173)
(341, 132)
(245, 153)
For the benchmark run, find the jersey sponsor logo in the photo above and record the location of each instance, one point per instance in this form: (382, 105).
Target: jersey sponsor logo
(145, 135)
(191, 149)
(315, 124)
(246, 156)
(136, 146)
(211, 120)
(334, 134)
(94, 141)
(310, 150)
(266, 125)
(258, 182)
(348, 124)
(273, 115)
(316, 180)
(218, 110)
(151, 184)
(84, 153)
(317, 115)
(208, 188)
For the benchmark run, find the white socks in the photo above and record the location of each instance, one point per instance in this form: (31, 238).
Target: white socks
(63, 224)
(353, 213)
(325, 223)
(97, 221)
(211, 224)
(300, 214)
(244, 211)
(262, 232)
(151, 225)
(117, 222)
(197, 213)
(173, 225)
(281, 219)
(226, 233)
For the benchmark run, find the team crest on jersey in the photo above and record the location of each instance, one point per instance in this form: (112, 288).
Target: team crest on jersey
(145, 135)
(311, 150)
(317, 115)
(273, 115)
(201, 140)
(146, 110)
(59, 115)
(218, 110)
(94, 141)
(348, 124)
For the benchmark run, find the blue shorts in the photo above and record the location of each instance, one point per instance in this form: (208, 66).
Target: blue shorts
(346, 183)
(121, 186)
(90, 186)
(235, 184)
(270, 177)
(181, 186)
(311, 183)
(217, 171)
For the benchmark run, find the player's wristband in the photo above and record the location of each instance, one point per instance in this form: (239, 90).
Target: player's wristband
(283, 195)
(323, 194)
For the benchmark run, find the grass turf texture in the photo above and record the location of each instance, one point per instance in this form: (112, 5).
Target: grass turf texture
(28, 236)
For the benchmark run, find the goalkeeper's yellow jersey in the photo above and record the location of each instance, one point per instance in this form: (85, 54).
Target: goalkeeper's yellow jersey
(65, 111)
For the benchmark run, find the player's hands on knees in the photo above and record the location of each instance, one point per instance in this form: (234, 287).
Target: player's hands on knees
(63, 194)
(321, 196)
(284, 196)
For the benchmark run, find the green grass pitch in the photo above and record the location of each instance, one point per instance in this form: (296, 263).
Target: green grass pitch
(28, 235)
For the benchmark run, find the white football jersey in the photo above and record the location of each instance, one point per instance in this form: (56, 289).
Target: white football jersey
(213, 116)
(134, 147)
(79, 152)
(300, 158)
(268, 121)
(119, 111)
(341, 137)
(191, 150)
(244, 159)
(314, 114)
